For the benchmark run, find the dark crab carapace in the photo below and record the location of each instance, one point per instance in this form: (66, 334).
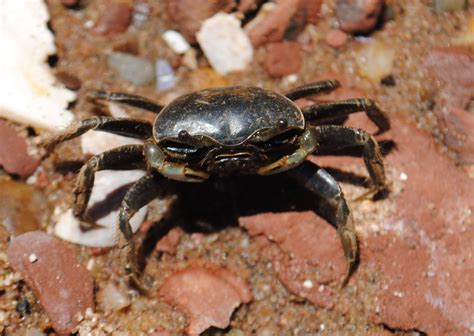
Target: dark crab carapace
(225, 131)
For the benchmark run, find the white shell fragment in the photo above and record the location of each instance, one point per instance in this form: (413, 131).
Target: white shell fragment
(176, 41)
(225, 44)
(29, 93)
(109, 188)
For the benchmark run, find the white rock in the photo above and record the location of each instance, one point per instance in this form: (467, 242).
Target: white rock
(29, 93)
(106, 184)
(98, 142)
(225, 44)
(176, 41)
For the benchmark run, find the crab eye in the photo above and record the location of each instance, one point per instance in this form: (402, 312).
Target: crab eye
(279, 140)
(179, 147)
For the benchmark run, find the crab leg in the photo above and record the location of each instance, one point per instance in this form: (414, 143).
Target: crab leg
(122, 126)
(321, 183)
(313, 89)
(127, 99)
(321, 112)
(140, 194)
(332, 136)
(121, 158)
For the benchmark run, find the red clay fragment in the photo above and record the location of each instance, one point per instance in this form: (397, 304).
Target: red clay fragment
(62, 285)
(313, 255)
(207, 295)
(459, 133)
(13, 154)
(454, 70)
(287, 19)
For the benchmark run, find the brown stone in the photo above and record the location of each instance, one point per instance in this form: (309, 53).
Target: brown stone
(187, 15)
(69, 81)
(286, 20)
(356, 16)
(206, 294)
(62, 285)
(453, 69)
(114, 19)
(23, 208)
(282, 58)
(14, 157)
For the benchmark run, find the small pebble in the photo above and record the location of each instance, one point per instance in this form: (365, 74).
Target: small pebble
(114, 19)
(138, 70)
(441, 6)
(113, 299)
(308, 284)
(225, 44)
(376, 60)
(176, 41)
(70, 81)
(403, 177)
(165, 77)
(336, 38)
(33, 258)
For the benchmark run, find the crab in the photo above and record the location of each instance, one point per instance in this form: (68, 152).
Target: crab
(225, 131)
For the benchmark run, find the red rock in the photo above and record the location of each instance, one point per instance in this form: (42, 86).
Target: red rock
(458, 128)
(336, 38)
(114, 19)
(62, 285)
(283, 58)
(14, 157)
(187, 15)
(169, 242)
(453, 68)
(207, 295)
(312, 251)
(288, 13)
(424, 260)
(357, 16)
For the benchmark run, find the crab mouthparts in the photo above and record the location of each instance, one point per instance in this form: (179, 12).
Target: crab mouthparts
(230, 156)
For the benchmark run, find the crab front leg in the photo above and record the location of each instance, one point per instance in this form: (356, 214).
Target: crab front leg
(308, 144)
(156, 159)
(321, 183)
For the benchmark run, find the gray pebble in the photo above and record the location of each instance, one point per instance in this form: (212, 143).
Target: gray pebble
(137, 70)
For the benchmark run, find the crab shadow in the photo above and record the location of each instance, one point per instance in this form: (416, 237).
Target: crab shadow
(218, 203)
